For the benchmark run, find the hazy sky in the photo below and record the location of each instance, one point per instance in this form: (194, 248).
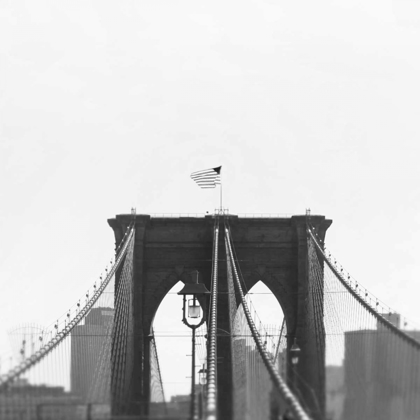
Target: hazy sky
(108, 105)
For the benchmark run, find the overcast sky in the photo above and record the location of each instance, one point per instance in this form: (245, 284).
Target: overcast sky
(108, 105)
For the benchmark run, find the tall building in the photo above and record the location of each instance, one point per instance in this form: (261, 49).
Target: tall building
(91, 356)
(377, 374)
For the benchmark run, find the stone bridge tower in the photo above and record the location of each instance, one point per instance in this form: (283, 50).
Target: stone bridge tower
(271, 250)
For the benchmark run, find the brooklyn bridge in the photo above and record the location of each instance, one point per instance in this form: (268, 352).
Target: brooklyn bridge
(338, 354)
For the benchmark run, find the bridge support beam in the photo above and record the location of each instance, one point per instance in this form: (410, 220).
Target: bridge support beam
(310, 335)
(133, 398)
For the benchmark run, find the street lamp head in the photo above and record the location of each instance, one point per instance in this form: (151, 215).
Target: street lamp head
(195, 289)
(192, 310)
(294, 352)
(203, 375)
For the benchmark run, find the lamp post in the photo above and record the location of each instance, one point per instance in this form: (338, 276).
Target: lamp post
(202, 374)
(294, 356)
(191, 310)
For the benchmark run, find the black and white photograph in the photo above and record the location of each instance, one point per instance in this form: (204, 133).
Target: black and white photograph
(209, 210)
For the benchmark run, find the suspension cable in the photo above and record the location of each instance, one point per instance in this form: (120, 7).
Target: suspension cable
(211, 404)
(281, 386)
(55, 341)
(359, 299)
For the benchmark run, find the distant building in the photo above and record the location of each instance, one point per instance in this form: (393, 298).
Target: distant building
(22, 401)
(378, 373)
(334, 381)
(177, 407)
(91, 356)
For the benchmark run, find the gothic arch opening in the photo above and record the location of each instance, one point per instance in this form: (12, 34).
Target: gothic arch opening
(270, 321)
(249, 371)
(266, 305)
(174, 344)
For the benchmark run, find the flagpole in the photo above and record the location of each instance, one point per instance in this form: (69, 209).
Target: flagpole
(221, 194)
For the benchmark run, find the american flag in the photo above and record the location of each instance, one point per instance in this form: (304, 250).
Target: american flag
(208, 178)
